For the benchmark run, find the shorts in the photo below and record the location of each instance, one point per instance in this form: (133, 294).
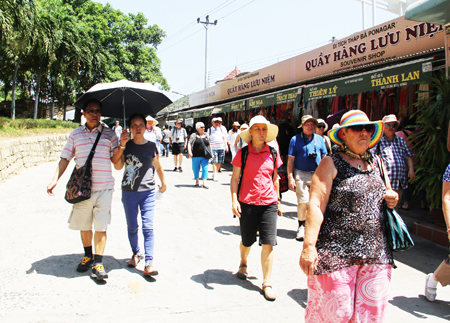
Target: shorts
(259, 217)
(96, 210)
(177, 148)
(219, 156)
(303, 182)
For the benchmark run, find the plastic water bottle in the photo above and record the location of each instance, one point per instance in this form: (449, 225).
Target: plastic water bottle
(159, 195)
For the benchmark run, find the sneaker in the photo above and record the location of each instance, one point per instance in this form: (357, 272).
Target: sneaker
(133, 262)
(180, 169)
(215, 177)
(175, 169)
(149, 270)
(85, 264)
(300, 233)
(430, 292)
(98, 271)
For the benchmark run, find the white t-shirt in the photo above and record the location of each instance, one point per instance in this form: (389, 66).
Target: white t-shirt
(217, 136)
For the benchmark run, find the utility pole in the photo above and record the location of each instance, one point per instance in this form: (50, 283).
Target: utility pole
(206, 25)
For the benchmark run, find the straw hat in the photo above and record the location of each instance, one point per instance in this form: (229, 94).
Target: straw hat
(272, 130)
(353, 118)
(307, 118)
(236, 124)
(390, 118)
(152, 120)
(321, 121)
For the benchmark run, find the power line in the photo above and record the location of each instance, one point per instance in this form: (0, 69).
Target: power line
(161, 50)
(237, 9)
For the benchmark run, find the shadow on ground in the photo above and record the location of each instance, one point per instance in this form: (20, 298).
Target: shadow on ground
(223, 277)
(300, 296)
(420, 307)
(65, 266)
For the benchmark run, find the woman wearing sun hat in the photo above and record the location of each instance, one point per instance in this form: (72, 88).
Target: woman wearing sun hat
(345, 251)
(232, 135)
(256, 199)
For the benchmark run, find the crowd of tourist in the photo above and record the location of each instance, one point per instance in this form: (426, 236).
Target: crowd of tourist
(335, 174)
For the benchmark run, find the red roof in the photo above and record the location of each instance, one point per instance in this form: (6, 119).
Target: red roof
(233, 74)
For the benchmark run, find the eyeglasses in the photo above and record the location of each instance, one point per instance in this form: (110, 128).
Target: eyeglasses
(96, 111)
(391, 125)
(137, 126)
(370, 128)
(201, 127)
(321, 126)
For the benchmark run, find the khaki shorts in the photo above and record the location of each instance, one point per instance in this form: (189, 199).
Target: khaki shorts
(303, 182)
(96, 210)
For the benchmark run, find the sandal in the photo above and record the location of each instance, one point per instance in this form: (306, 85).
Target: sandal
(197, 185)
(204, 186)
(268, 292)
(242, 276)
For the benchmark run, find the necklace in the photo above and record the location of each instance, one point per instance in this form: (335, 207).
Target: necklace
(359, 165)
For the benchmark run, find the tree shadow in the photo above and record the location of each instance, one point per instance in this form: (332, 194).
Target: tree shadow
(421, 308)
(290, 215)
(64, 266)
(300, 296)
(223, 277)
(229, 230)
(286, 234)
(186, 185)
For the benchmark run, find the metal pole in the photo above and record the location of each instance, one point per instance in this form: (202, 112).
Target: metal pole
(206, 57)
(363, 15)
(373, 12)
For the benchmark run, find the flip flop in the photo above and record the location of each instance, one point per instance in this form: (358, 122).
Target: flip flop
(204, 186)
(242, 276)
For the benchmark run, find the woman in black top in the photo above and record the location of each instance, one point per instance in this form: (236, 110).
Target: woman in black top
(198, 146)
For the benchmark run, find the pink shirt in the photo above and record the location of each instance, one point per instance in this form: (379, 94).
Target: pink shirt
(79, 146)
(257, 186)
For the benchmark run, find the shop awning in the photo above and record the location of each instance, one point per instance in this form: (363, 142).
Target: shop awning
(261, 101)
(431, 11)
(287, 96)
(229, 107)
(200, 113)
(185, 114)
(382, 79)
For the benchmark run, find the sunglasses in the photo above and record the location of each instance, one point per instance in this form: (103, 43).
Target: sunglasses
(391, 125)
(321, 126)
(370, 128)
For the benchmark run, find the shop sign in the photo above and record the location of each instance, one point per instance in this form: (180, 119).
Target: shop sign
(237, 106)
(185, 115)
(223, 108)
(173, 116)
(202, 113)
(288, 96)
(386, 42)
(377, 80)
(261, 101)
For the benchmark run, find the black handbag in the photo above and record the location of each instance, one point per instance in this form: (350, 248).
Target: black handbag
(395, 229)
(78, 187)
(208, 153)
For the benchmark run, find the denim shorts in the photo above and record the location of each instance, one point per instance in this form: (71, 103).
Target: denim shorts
(259, 217)
(219, 156)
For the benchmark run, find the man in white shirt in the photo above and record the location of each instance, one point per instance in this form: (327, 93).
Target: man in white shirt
(178, 141)
(218, 139)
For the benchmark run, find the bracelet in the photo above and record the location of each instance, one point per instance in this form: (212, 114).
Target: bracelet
(448, 230)
(121, 147)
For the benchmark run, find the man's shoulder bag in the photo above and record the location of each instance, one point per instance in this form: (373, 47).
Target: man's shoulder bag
(80, 182)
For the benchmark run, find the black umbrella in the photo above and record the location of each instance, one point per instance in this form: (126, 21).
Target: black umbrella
(123, 98)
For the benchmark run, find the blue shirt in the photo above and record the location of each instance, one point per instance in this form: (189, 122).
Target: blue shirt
(300, 151)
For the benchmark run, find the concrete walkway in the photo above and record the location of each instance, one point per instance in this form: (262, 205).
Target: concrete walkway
(196, 253)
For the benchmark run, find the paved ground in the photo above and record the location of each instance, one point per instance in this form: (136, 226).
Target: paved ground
(196, 254)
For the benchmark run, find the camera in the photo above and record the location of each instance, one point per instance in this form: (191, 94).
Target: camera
(312, 156)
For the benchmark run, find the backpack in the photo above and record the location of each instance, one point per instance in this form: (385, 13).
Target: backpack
(244, 155)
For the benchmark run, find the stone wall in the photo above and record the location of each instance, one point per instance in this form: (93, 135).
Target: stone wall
(19, 153)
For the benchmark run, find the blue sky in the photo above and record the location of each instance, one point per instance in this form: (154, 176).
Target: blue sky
(250, 34)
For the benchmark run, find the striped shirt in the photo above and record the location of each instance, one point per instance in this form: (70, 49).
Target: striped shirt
(79, 146)
(217, 136)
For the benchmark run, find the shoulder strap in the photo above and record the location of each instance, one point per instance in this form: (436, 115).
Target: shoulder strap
(91, 154)
(244, 155)
(273, 152)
